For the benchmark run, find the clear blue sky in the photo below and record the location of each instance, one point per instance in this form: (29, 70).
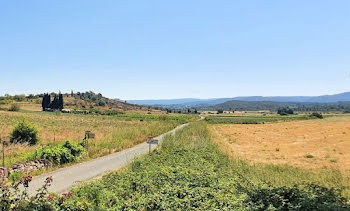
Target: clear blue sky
(174, 49)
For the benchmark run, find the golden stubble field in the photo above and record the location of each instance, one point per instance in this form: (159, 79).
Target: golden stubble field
(312, 144)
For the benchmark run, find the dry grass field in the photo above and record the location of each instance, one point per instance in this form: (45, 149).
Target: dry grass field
(113, 133)
(311, 144)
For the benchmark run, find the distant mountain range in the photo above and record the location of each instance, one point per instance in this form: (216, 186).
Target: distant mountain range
(198, 103)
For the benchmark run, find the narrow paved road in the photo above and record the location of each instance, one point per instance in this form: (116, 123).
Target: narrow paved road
(64, 179)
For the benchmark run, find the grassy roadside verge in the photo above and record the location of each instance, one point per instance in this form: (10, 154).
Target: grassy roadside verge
(189, 172)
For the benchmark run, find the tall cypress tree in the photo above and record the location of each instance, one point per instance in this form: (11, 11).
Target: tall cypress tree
(54, 104)
(46, 101)
(43, 104)
(60, 102)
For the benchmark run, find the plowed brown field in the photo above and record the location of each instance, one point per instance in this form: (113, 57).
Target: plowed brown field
(312, 144)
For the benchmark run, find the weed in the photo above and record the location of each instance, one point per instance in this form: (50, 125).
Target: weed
(309, 156)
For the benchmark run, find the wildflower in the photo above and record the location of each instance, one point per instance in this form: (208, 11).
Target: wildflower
(49, 180)
(50, 198)
(67, 195)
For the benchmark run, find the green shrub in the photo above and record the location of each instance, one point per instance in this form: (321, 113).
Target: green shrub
(309, 156)
(316, 115)
(15, 176)
(285, 111)
(24, 133)
(60, 154)
(15, 107)
(310, 197)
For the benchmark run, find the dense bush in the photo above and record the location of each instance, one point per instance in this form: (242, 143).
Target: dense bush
(24, 133)
(60, 154)
(12, 197)
(309, 197)
(14, 107)
(316, 115)
(285, 111)
(19, 97)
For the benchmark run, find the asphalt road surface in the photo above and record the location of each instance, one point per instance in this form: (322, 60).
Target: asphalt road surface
(66, 178)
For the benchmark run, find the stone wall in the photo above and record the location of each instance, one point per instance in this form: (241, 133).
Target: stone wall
(25, 168)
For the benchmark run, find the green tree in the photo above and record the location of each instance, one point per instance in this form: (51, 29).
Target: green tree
(60, 102)
(285, 111)
(46, 102)
(55, 103)
(19, 97)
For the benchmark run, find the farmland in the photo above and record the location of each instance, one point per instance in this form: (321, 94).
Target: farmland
(191, 172)
(113, 133)
(312, 144)
(253, 119)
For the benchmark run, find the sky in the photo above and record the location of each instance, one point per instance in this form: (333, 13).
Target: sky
(175, 49)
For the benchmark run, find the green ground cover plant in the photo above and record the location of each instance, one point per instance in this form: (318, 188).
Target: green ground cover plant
(59, 154)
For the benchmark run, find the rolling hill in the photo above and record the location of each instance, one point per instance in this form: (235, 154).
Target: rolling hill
(76, 101)
(200, 103)
(236, 105)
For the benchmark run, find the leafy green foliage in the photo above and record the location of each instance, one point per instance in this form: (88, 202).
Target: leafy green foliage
(60, 154)
(285, 111)
(316, 115)
(19, 98)
(298, 197)
(24, 133)
(15, 176)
